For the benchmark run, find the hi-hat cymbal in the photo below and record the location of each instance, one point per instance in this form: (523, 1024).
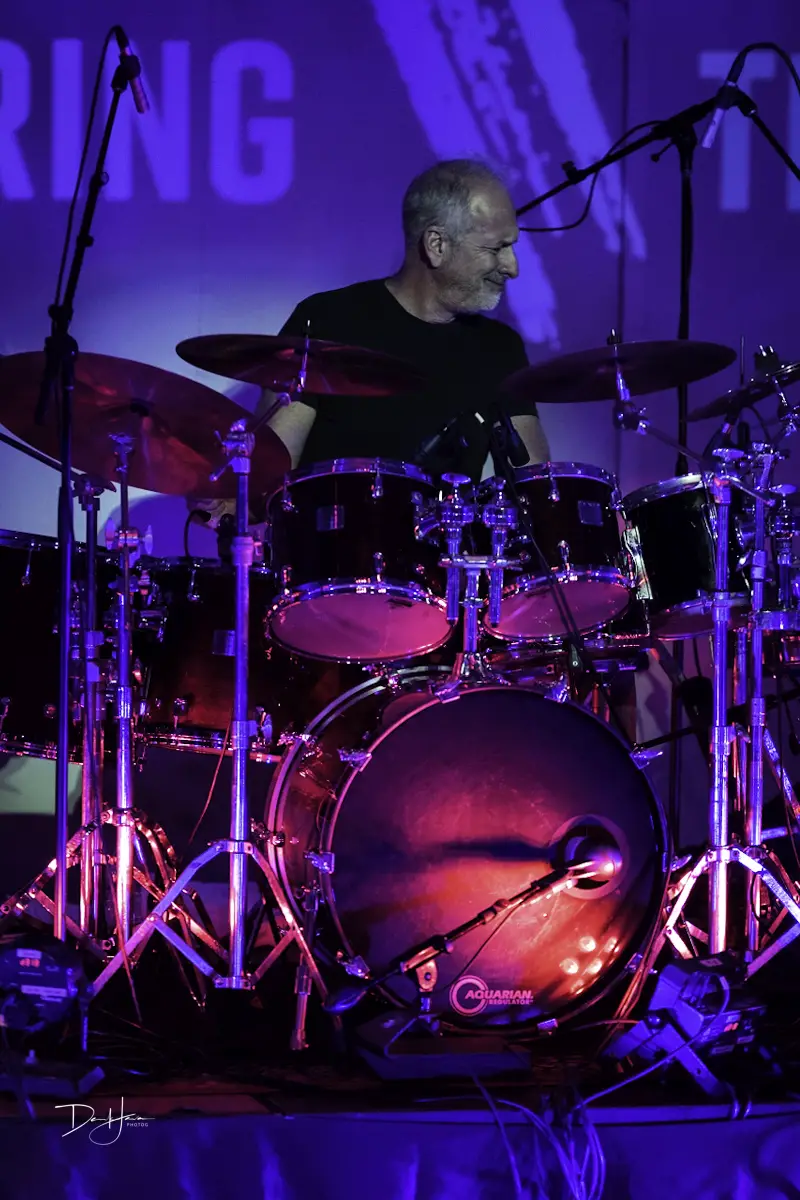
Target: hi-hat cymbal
(173, 422)
(734, 401)
(592, 374)
(275, 362)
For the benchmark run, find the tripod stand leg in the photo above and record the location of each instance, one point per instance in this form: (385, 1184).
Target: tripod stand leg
(721, 734)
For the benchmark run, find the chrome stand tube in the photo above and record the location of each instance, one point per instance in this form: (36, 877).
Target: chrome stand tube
(127, 540)
(242, 730)
(721, 732)
(91, 787)
(740, 736)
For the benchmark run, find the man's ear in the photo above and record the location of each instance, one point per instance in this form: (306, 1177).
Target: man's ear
(435, 243)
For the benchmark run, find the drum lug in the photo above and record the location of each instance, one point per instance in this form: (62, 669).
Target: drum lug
(286, 500)
(323, 861)
(376, 491)
(554, 494)
(355, 758)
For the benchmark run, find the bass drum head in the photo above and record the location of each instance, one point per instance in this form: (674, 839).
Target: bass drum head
(461, 803)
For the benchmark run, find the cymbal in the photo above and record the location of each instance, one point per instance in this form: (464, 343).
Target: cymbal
(734, 401)
(274, 362)
(591, 374)
(172, 421)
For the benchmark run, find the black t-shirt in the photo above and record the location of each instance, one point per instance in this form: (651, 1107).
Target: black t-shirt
(465, 361)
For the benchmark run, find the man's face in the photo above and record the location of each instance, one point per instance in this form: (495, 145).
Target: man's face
(473, 270)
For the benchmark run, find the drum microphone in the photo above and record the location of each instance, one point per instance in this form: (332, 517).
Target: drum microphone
(432, 444)
(132, 70)
(510, 442)
(726, 98)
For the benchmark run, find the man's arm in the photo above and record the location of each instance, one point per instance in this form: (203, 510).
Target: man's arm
(292, 423)
(532, 433)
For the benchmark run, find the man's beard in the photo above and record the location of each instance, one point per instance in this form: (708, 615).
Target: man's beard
(484, 298)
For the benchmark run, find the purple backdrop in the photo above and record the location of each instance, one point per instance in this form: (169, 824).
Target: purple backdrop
(281, 138)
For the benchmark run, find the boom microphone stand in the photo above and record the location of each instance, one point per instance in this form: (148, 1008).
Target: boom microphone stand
(61, 350)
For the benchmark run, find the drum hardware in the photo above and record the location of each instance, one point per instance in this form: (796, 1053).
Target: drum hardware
(237, 447)
(88, 492)
(722, 851)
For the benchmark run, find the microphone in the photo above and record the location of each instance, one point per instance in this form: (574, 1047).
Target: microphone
(133, 70)
(726, 97)
(430, 446)
(721, 437)
(511, 443)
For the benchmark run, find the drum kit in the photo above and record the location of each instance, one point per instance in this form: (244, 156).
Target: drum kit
(412, 655)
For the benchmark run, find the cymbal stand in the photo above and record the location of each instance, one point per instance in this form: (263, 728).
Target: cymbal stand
(237, 447)
(125, 540)
(721, 852)
(88, 492)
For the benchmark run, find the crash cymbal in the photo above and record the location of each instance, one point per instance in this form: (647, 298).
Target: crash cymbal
(733, 402)
(274, 362)
(172, 420)
(591, 374)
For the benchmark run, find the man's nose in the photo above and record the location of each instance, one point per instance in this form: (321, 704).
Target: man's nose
(510, 264)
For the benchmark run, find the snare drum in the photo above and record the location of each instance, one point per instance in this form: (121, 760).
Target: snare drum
(575, 513)
(673, 522)
(30, 569)
(359, 581)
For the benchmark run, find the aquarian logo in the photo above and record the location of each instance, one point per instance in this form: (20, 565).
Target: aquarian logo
(470, 995)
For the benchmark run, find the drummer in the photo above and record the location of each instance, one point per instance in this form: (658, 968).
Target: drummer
(460, 229)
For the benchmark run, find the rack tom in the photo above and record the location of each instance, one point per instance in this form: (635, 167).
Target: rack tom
(359, 581)
(673, 523)
(574, 511)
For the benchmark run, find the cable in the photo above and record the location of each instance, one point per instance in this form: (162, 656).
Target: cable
(592, 186)
(206, 806)
(512, 1161)
(786, 59)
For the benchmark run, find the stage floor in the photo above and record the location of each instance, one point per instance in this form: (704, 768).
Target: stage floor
(205, 1139)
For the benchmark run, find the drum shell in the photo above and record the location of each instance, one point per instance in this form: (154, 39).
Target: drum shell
(456, 805)
(673, 523)
(341, 534)
(30, 569)
(184, 641)
(575, 512)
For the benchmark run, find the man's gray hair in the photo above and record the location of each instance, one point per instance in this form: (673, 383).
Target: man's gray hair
(442, 196)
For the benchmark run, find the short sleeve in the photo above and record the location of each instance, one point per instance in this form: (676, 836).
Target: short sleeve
(296, 323)
(515, 358)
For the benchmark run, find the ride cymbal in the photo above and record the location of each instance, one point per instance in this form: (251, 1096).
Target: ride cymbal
(276, 362)
(173, 422)
(591, 375)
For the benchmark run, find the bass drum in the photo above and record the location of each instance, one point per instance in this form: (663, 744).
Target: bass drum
(412, 813)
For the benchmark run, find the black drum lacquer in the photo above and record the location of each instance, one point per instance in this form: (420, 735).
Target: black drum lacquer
(29, 586)
(358, 582)
(674, 524)
(429, 811)
(575, 513)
